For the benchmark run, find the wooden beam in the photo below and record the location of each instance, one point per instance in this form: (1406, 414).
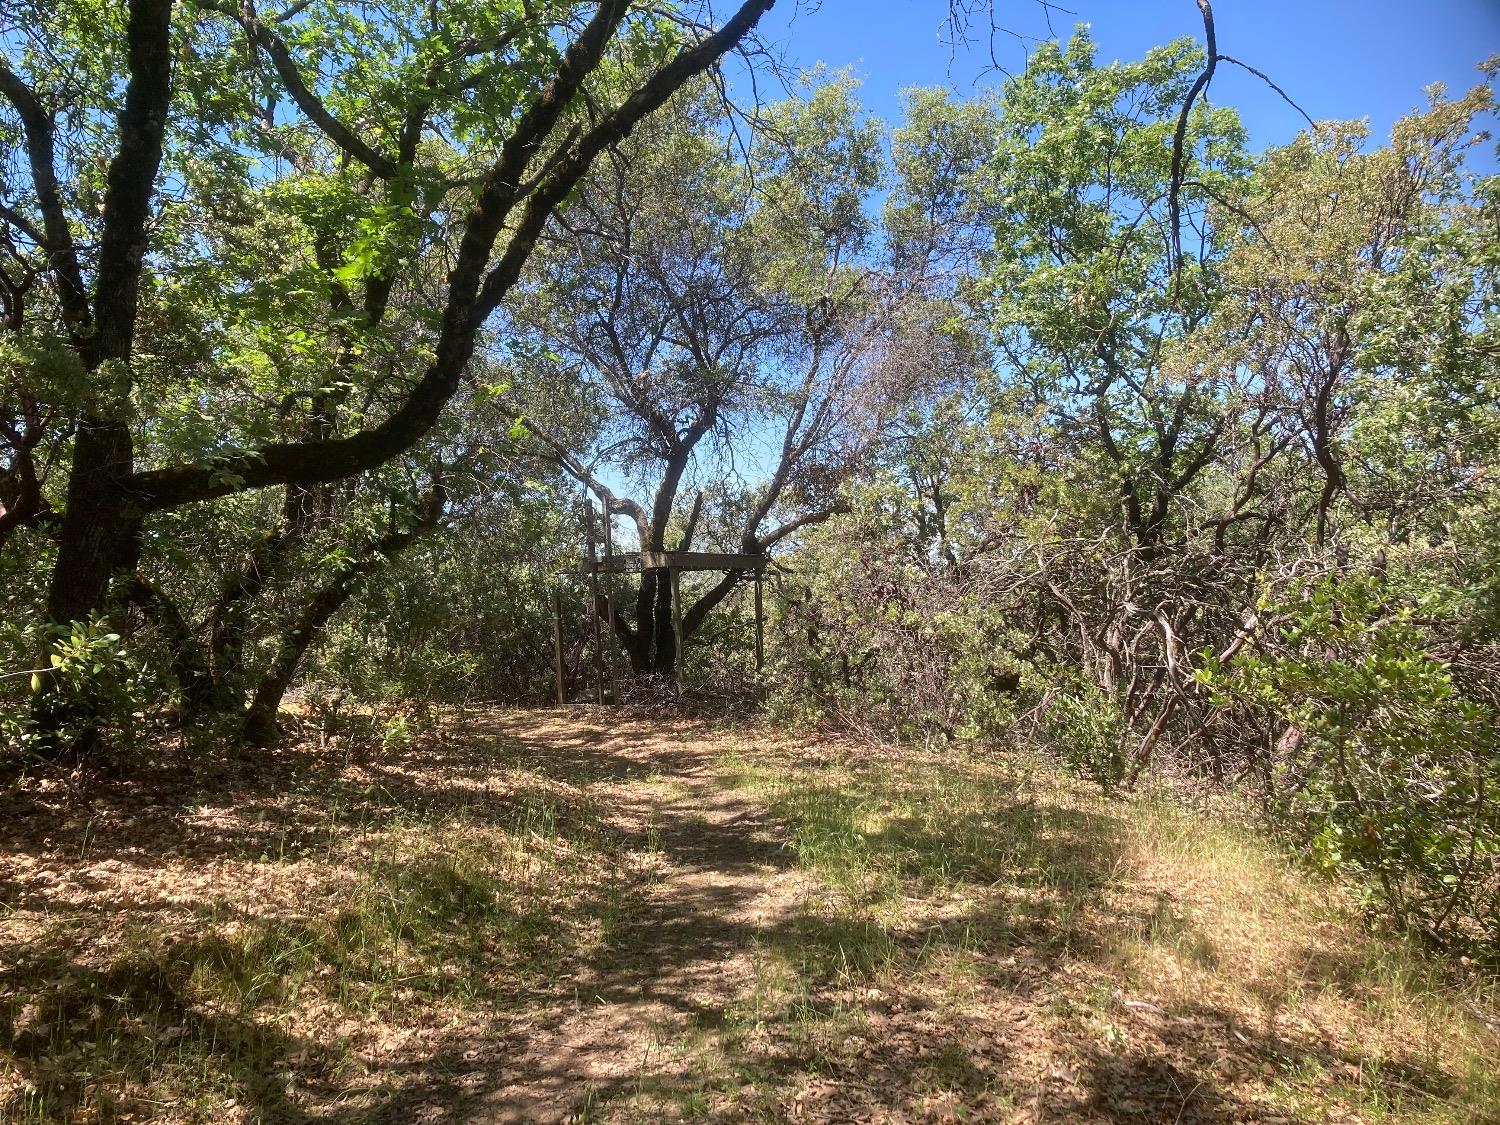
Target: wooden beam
(666, 560)
(700, 560)
(614, 564)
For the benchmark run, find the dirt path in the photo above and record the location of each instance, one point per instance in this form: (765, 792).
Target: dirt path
(640, 1014)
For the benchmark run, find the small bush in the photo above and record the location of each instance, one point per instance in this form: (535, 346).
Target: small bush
(1384, 774)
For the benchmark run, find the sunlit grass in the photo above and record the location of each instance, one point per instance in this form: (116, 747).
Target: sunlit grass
(418, 918)
(1170, 920)
(1364, 1015)
(953, 933)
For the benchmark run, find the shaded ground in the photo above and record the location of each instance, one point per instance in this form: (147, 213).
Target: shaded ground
(586, 916)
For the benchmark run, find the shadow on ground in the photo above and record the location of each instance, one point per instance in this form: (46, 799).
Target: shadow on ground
(838, 1036)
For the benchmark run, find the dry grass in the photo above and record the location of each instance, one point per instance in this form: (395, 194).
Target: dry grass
(254, 947)
(593, 917)
(1352, 1019)
(1000, 941)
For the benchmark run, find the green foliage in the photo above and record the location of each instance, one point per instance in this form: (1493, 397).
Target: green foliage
(88, 665)
(1083, 726)
(1386, 775)
(885, 641)
(1229, 519)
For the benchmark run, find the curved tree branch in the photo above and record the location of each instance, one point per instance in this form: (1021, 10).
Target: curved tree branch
(613, 505)
(471, 300)
(312, 107)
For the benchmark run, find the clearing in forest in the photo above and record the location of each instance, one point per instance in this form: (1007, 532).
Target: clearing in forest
(579, 916)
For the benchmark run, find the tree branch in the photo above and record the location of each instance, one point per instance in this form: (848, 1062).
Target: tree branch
(469, 302)
(807, 519)
(1179, 137)
(312, 107)
(132, 179)
(613, 505)
(56, 236)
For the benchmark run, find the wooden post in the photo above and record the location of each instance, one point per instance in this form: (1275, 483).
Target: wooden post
(677, 623)
(594, 608)
(760, 631)
(557, 644)
(609, 598)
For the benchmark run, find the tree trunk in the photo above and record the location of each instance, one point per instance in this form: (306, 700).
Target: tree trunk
(189, 660)
(302, 510)
(260, 720)
(97, 539)
(664, 648)
(99, 533)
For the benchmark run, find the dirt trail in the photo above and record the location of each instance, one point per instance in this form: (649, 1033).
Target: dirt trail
(725, 877)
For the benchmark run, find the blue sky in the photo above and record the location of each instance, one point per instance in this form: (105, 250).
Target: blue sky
(1337, 58)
